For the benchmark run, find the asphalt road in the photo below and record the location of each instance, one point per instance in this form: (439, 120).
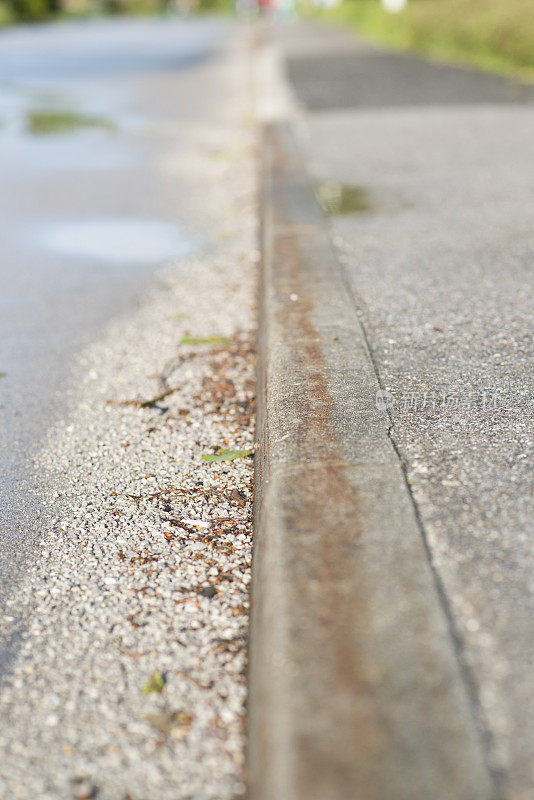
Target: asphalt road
(91, 121)
(438, 254)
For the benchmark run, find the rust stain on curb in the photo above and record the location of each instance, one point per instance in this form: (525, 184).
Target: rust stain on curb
(321, 512)
(355, 690)
(328, 578)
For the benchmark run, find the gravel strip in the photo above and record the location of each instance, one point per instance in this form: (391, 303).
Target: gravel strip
(130, 682)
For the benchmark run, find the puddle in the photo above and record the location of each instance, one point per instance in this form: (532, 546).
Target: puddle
(137, 241)
(45, 122)
(339, 198)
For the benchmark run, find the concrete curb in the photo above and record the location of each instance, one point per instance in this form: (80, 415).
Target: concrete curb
(355, 688)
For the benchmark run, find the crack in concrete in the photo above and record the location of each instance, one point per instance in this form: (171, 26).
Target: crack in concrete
(468, 677)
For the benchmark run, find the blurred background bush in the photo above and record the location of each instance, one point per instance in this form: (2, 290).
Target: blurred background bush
(36, 10)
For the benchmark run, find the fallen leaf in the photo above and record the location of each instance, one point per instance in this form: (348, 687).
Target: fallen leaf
(226, 455)
(199, 523)
(173, 722)
(238, 497)
(208, 591)
(197, 340)
(156, 683)
(152, 401)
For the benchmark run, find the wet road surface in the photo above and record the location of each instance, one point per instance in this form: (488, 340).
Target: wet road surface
(92, 114)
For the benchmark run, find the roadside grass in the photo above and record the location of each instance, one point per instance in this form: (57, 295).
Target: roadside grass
(496, 35)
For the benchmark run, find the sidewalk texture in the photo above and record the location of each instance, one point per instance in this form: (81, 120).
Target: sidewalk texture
(356, 690)
(392, 632)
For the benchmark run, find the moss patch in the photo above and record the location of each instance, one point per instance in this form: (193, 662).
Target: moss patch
(43, 122)
(338, 198)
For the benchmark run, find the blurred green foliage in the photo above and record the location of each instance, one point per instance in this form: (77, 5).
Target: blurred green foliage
(24, 10)
(29, 10)
(35, 10)
(5, 14)
(216, 5)
(494, 34)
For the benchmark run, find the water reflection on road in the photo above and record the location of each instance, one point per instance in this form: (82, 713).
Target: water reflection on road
(89, 112)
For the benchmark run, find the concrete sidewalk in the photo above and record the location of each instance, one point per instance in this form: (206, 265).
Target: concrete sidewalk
(392, 612)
